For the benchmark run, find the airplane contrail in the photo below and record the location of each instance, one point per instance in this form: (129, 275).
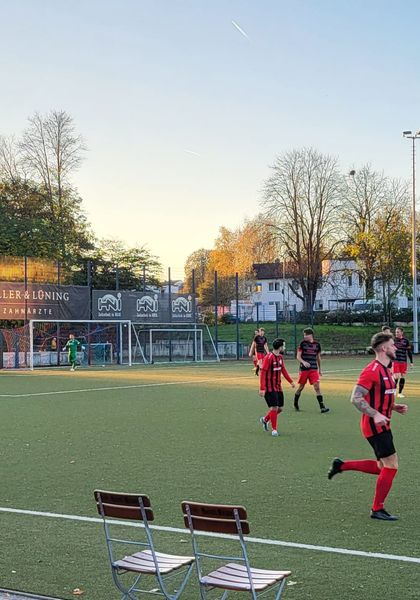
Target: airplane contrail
(240, 30)
(192, 152)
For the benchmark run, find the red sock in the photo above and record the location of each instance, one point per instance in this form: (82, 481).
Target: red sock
(255, 362)
(273, 418)
(365, 466)
(383, 487)
(267, 416)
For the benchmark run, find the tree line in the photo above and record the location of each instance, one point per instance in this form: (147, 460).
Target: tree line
(310, 212)
(42, 214)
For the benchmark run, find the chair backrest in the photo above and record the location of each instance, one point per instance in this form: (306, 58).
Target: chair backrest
(123, 506)
(217, 518)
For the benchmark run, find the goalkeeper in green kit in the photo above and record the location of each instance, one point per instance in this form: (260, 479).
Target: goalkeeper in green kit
(72, 346)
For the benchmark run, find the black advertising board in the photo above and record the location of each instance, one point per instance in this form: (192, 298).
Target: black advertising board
(147, 307)
(43, 301)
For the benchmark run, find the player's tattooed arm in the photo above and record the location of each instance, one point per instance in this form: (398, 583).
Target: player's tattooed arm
(357, 398)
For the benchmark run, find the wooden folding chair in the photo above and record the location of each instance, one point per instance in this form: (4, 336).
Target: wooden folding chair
(128, 572)
(220, 518)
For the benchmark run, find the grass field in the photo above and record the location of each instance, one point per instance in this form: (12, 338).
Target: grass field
(192, 432)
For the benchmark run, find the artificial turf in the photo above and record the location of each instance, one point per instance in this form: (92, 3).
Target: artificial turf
(192, 432)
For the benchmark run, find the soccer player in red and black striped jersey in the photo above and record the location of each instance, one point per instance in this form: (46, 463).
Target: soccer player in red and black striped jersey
(270, 385)
(399, 366)
(374, 396)
(259, 346)
(309, 358)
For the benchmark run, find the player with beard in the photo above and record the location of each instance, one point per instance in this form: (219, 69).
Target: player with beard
(272, 370)
(374, 396)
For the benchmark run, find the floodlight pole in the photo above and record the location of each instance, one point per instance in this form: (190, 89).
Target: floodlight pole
(413, 137)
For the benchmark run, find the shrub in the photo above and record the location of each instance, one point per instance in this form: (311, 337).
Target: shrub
(208, 318)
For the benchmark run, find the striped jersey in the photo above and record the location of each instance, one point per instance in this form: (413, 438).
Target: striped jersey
(403, 347)
(260, 342)
(309, 353)
(271, 371)
(380, 383)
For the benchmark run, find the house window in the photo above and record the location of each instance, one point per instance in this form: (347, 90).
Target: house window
(360, 280)
(318, 305)
(271, 286)
(350, 281)
(277, 286)
(271, 303)
(258, 287)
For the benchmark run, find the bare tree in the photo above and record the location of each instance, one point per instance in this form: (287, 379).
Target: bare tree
(375, 210)
(51, 151)
(364, 192)
(302, 205)
(393, 238)
(11, 167)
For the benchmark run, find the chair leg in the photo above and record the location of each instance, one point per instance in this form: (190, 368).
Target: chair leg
(280, 590)
(184, 582)
(127, 593)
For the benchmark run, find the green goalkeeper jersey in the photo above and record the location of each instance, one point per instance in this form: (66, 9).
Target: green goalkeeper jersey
(72, 346)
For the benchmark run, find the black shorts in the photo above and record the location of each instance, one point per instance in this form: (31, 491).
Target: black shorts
(274, 399)
(382, 444)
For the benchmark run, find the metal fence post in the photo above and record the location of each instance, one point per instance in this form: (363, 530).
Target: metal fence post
(89, 282)
(216, 312)
(237, 314)
(170, 312)
(194, 315)
(117, 327)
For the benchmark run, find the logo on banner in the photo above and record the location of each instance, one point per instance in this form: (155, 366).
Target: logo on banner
(182, 305)
(147, 304)
(110, 304)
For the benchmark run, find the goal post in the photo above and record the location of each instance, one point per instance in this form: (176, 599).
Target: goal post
(172, 342)
(100, 342)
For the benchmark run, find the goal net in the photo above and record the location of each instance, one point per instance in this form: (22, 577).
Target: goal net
(98, 342)
(172, 342)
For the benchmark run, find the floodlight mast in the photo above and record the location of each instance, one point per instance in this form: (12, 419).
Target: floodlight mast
(413, 137)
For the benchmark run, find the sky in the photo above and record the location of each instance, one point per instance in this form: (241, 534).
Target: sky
(184, 105)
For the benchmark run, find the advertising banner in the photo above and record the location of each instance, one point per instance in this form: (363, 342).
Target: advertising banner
(142, 307)
(43, 301)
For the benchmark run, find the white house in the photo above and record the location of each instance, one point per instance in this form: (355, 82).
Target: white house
(176, 287)
(273, 289)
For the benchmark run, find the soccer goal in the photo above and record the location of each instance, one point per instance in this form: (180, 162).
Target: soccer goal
(98, 342)
(172, 342)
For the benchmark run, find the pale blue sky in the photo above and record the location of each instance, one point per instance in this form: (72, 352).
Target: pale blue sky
(147, 80)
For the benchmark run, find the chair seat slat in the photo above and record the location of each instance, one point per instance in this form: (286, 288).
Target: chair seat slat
(228, 584)
(263, 572)
(142, 562)
(234, 576)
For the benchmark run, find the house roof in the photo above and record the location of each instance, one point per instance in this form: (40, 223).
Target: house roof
(271, 270)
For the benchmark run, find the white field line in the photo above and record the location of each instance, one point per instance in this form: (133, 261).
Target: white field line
(122, 387)
(146, 385)
(268, 542)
